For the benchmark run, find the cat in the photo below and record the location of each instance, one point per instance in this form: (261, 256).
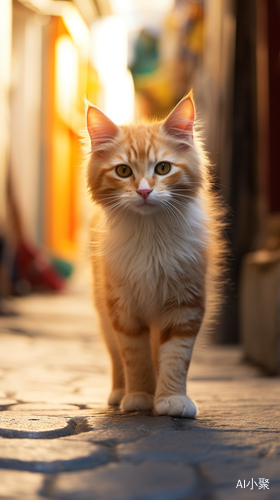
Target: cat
(156, 249)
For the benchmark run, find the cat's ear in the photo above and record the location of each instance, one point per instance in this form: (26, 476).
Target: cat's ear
(100, 128)
(180, 122)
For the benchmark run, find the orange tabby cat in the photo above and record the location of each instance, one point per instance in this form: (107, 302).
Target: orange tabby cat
(155, 248)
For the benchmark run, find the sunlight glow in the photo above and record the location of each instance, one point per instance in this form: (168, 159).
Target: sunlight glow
(142, 13)
(109, 45)
(140, 6)
(119, 98)
(66, 77)
(77, 28)
(109, 57)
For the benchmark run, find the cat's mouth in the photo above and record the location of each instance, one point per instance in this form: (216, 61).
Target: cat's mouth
(145, 206)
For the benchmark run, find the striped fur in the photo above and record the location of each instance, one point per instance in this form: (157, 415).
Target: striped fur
(154, 259)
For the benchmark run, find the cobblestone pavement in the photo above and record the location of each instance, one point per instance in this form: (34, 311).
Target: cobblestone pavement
(60, 440)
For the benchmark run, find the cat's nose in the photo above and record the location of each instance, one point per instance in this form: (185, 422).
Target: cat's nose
(144, 193)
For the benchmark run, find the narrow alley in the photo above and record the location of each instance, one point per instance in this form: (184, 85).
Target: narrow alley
(60, 440)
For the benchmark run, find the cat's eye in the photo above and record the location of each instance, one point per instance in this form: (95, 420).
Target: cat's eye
(163, 168)
(124, 171)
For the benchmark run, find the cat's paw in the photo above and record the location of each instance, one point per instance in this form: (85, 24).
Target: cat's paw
(137, 401)
(116, 397)
(176, 406)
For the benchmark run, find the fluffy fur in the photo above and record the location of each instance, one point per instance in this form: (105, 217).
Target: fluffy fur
(156, 252)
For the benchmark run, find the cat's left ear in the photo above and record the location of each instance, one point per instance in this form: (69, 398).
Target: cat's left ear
(180, 122)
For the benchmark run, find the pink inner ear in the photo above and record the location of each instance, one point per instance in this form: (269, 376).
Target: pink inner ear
(180, 121)
(100, 128)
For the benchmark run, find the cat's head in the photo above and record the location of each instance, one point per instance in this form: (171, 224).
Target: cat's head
(144, 168)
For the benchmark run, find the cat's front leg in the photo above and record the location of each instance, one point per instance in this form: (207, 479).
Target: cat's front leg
(177, 337)
(134, 342)
(139, 371)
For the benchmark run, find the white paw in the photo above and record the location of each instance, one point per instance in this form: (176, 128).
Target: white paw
(137, 401)
(116, 397)
(176, 406)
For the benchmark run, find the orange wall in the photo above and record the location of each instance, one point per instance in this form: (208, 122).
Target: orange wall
(63, 157)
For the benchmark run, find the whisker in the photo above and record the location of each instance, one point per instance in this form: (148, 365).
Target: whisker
(179, 202)
(180, 217)
(176, 216)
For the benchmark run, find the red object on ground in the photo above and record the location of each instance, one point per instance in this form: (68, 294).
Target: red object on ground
(35, 268)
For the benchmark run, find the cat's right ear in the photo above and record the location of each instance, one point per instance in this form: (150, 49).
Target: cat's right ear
(100, 128)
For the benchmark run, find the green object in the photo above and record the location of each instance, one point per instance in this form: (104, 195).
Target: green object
(63, 267)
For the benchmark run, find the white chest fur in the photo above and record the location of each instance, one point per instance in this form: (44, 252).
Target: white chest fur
(147, 255)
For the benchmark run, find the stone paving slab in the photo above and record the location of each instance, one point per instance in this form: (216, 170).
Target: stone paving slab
(125, 481)
(52, 456)
(224, 473)
(60, 440)
(17, 485)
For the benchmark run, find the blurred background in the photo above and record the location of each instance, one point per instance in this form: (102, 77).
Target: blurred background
(134, 59)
